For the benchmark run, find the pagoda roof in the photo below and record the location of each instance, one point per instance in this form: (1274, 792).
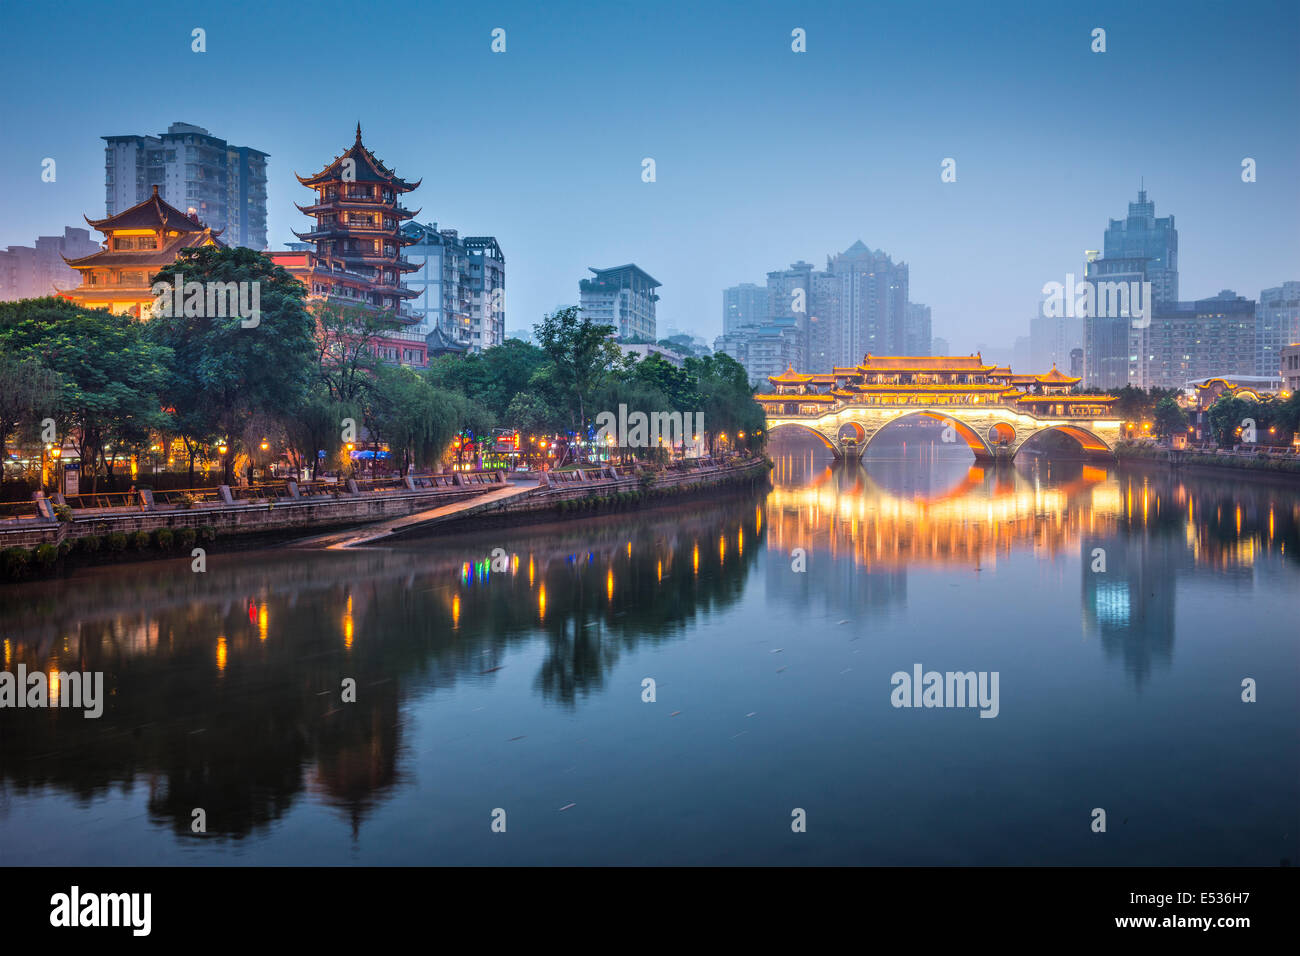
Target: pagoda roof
(924, 363)
(153, 213)
(367, 169)
(1000, 370)
(145, 258)
(1024, 379)
(790, 377)
(438, 343)
(1057, 377)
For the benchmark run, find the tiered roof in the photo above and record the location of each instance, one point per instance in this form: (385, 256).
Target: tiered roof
(367, 169)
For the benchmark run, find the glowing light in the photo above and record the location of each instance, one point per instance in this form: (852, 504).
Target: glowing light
(722, 547)
(54, 684)
(455, 611)
(541, 603)
(740, 540)
(262, 620)
(530, 570)
(695, 559)
(221, 653)
(609, 584)
(659, 572)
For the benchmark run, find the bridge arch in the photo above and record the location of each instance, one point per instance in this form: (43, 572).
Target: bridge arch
(968, 434)
(1087, 441)
(807, 428)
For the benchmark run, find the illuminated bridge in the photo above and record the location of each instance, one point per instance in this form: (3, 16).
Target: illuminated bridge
(990, 408)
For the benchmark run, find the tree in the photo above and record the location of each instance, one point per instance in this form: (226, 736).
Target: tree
(582, 355)
(726, 400)
(1169, 417)
(111, 373)
(317, 426)
(29, 392)
(222, 372)
(416, 420)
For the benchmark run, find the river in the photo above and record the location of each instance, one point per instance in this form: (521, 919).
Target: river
(500, 683)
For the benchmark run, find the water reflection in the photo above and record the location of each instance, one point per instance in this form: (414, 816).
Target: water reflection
(225, 687)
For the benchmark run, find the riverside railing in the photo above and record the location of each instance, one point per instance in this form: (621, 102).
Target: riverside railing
(108, 503)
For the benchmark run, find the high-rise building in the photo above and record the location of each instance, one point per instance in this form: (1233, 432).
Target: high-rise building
(623, 297)
(939, 346)
(744, 305)
(764, 351)
(916, 334)
(29, 272)
(1277, 325)
(201, 174)
(867, 304)
(459, 286)
(1052, 339)
(1188, 341)
(1289, 357)
(1154, 241)
(1139, 248)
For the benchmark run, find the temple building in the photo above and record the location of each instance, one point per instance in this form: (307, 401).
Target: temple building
(138, 242)
(897, 380)
(357, 261)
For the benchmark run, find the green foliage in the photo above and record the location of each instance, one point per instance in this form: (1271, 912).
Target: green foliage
(140, 540)
(582, 357)
(29, 392)
(115, 541)
(163, 539)
(207, 533)
(223, 374)
(15, 561)
(186, 537)
(111, 374)
(1170, 418)
(45, 555)
(89, 544)
(63, 513)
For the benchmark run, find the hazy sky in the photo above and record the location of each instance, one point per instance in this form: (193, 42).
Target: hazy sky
(763, 156)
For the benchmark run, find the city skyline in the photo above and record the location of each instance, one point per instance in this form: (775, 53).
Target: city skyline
(1036, 178)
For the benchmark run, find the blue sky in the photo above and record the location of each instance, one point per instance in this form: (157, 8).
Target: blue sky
(763, 156)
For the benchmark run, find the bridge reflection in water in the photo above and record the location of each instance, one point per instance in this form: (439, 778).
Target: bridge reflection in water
(476, 679)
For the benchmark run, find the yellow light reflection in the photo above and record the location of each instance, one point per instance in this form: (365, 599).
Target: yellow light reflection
(722, 547)
(221, 653)
(530, 571)
(695, 559)
(659, 577)
(262, 620)
(740, 540)
(541, 603)
(609, 584)
(347, 625)
(54, 684)
(455, 611)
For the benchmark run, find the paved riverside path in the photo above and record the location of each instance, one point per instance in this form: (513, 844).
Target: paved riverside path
(378, 530)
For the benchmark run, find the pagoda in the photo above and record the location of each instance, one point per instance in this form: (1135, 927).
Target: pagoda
(357, 262)
(138, 243)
